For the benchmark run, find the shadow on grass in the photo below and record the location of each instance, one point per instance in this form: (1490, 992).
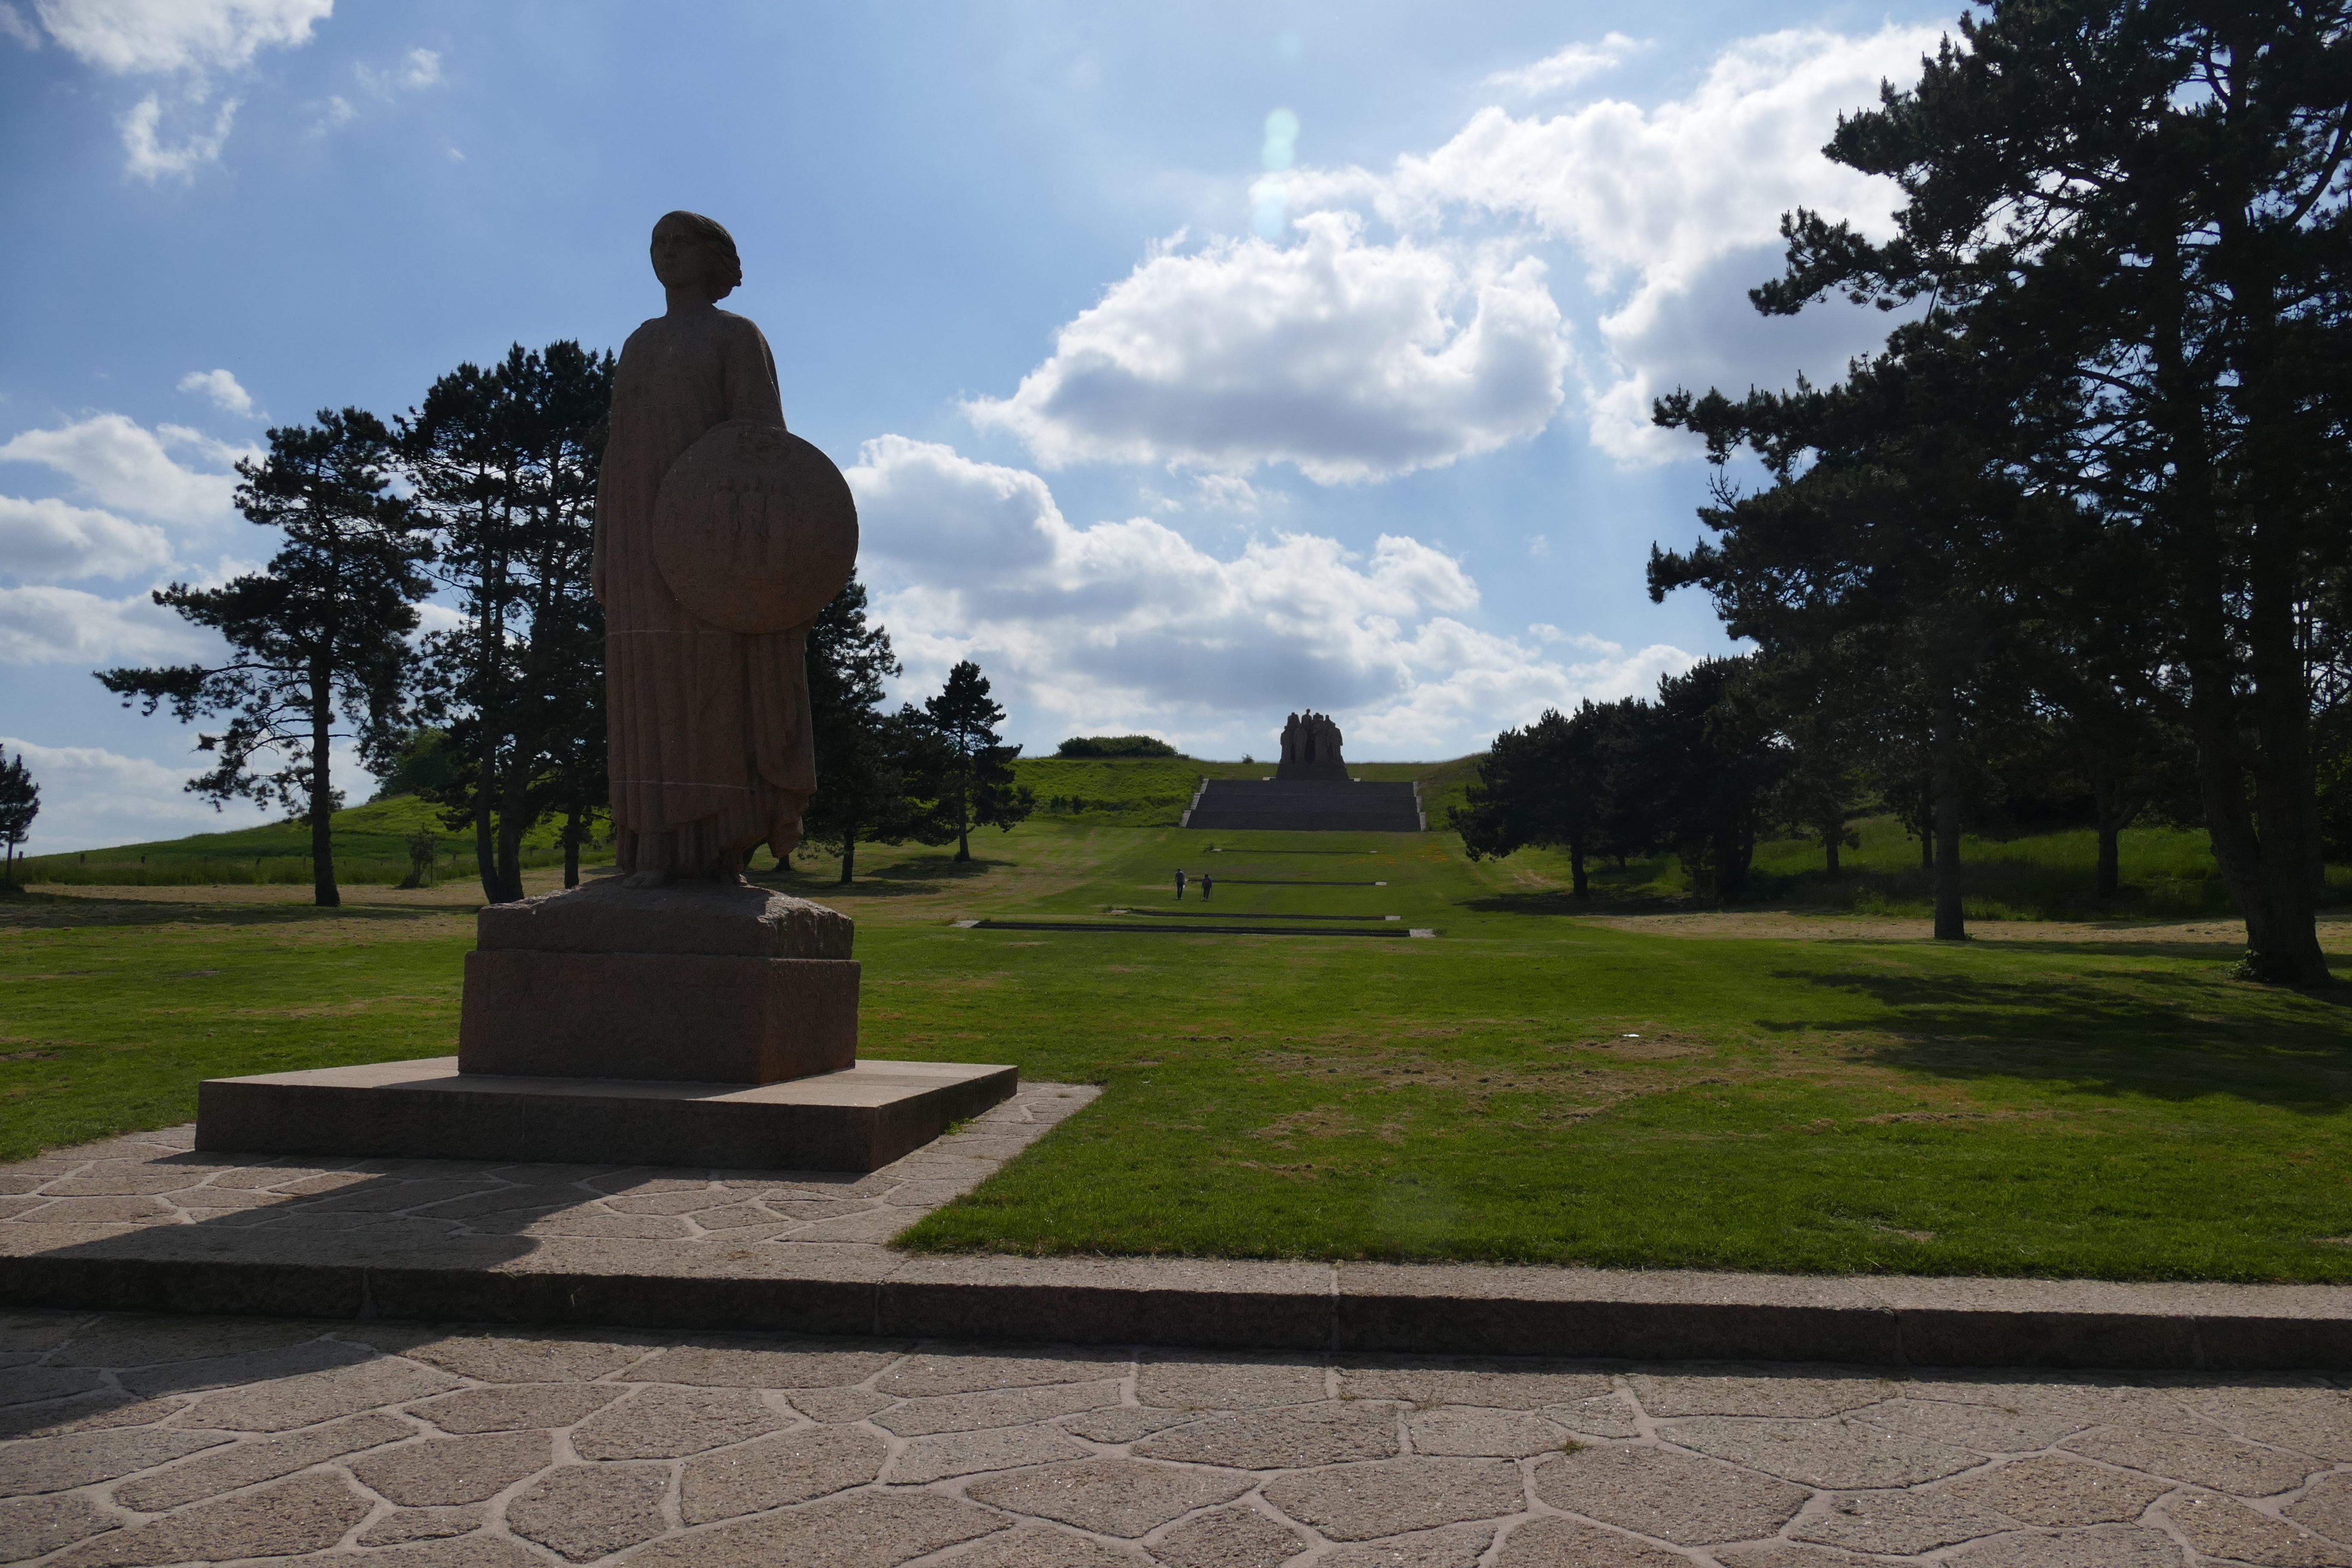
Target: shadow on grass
(923, 874)
(1560, 901)
(2162, 1039)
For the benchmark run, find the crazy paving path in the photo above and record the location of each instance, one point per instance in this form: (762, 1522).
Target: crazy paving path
(141, 1440)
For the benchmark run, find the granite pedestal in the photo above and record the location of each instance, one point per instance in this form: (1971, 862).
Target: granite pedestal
(858, 1118)
(696, 1024)
(706, 982)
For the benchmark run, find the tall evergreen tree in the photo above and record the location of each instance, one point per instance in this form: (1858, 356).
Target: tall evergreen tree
(20, 802)
(504, 462)
(1886, 547)
(1808, 700)
(1712, 762)
(866, 760)
(1557, 784)
(973, 779)
(2145, 203)
(320, 633)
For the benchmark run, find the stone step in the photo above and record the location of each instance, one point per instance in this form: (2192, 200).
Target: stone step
(1306, 805)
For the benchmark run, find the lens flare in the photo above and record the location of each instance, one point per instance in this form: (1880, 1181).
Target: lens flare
(1281, 147)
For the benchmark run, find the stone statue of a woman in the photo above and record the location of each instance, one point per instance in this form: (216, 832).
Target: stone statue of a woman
(710, 749)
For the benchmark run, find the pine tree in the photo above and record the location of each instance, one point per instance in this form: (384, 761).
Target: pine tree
(20, 802)
(504, 462)
(2142, 207)
(320, 633)
(1552, 784)
(866, 760)
(973, 779)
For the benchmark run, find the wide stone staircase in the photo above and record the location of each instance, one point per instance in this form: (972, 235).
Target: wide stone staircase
(1350, 805)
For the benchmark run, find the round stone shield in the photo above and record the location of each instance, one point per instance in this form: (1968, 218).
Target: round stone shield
(755, 529)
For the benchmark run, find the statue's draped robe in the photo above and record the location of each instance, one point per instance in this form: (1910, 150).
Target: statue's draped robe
(710, 747)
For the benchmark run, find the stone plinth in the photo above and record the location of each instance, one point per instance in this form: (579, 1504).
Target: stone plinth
(706, 982)
(858, 1118)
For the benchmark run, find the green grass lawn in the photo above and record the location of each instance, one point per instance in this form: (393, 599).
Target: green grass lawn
(1531, 1085)
(371, 847)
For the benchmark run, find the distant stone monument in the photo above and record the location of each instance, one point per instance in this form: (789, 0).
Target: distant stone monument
(675, 1013)
(1310, 749)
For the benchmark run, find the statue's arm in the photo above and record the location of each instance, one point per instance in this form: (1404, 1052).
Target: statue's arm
(751, 392)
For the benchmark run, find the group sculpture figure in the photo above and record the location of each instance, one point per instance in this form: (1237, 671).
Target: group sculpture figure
(1310, 749)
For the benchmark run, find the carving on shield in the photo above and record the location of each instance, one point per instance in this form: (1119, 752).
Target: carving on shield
(754, 530)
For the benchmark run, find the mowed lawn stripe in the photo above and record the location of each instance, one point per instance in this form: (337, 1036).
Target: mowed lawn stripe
(1534, 1087)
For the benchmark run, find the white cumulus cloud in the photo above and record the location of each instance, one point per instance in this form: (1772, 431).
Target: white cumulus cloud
(46, 540)
(1570, 67)
(92, 797)
(1130, 625)
(66, 625)
(1675, 208)
(170, 136)
(149, 155)
(157, 36)
(121, 464)
(222, 388)
(1349, 360)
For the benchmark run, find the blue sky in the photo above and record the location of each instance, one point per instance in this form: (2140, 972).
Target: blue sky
(1191, 364)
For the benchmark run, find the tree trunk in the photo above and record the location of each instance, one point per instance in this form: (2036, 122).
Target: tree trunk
(2265, 847)
(324, 892)
(963, 828)
(1950, 922)
(513, 813)
(485, 858)
(572, 848)
(1927, 848)
(1576, 871)
(848, 855)
(1830, 842)
(1733, 855)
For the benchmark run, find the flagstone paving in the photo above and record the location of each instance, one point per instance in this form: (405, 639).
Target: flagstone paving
(142, 1180)
(132, 1440)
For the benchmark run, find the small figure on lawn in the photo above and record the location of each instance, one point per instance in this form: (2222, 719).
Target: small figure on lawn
(1180, 886)
(1205, 884)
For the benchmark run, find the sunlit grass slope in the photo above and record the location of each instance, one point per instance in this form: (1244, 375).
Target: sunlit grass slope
(1527, 1086)
(371, 847)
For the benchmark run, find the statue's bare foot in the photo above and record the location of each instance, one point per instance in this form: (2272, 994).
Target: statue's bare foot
(651, 878)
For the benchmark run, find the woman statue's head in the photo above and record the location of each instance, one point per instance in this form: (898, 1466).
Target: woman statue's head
(690, 251)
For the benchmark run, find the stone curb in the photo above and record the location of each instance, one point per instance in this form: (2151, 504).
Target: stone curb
(1245, 1304)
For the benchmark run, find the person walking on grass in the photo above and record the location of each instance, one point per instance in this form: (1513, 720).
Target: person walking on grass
(1205, 884)
(1180, 884)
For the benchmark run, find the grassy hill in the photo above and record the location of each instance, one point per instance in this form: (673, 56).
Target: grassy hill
(1152, 791)
(2169, 872)
(371, 846)
(1827, 1094)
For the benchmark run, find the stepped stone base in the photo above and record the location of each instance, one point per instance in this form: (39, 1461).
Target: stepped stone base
(710, 982)
(1308, 805)
(858, 1118)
